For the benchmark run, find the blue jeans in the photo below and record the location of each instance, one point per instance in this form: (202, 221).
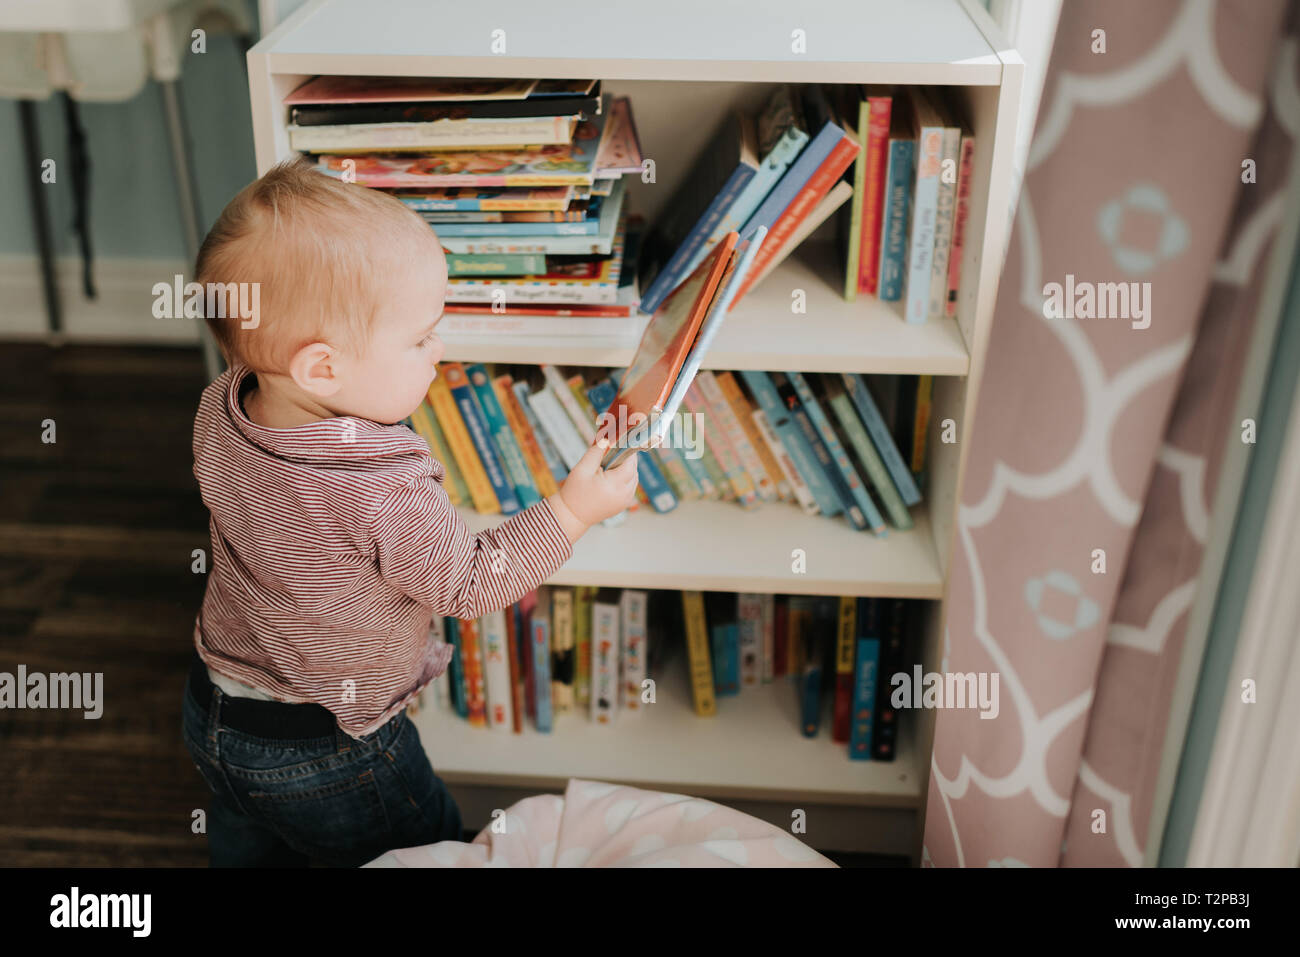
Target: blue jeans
(332, 801)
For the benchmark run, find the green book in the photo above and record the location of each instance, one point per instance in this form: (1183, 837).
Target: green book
(872, 464)
(854, 217)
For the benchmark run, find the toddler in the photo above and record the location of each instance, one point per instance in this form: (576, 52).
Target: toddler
(333, 540)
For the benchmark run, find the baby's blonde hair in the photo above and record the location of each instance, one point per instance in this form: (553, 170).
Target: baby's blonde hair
(322, 251)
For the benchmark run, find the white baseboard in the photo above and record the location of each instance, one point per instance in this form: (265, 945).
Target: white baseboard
(122, 312)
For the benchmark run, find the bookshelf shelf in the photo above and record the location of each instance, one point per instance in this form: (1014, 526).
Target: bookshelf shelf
(762, 333)
(684, 65)
(718, 546)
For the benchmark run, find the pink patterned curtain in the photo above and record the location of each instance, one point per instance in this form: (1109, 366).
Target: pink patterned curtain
(1106, 431)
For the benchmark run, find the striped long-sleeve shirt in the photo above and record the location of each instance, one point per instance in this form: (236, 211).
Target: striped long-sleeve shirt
(333, 544)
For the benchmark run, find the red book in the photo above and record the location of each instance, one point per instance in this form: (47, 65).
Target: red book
(873, 191)
(472, 659)
(526, 606)
(804, 202)
(780, 631)
(516, 679)
(960, 215)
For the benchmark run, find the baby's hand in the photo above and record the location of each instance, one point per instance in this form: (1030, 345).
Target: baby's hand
(592, 494)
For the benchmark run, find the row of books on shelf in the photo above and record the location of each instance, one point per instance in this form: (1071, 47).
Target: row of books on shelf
(894, 162)
(604, 651)
(831, 444)
(521, 180)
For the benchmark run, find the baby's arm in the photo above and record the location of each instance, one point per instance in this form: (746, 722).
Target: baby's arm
(424, 548)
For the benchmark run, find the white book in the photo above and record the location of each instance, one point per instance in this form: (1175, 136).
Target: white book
(749, 627)
(559, 427)
(633, 616)
(767, 609)
(604, 661)
(802, 493)
(948, 172)
(496, 672)
(723, 413)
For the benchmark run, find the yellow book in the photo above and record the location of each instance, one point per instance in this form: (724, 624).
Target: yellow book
(745, 413)
(422, 419)
(524, 436)
(924, 390)
(697, 653)
(462, 447)
(583, 596)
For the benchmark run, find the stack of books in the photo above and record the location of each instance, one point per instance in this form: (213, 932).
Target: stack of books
(520, 179)
(603, 651)
(836, 444)
(895, 163)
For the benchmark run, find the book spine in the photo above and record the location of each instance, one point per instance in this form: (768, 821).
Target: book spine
(780, 637)
(344, 114)
(948, 171)
(842, 714)
(749, 618)
(803, 203)
(466, 403)
(563, 657)
(496, 675)
(604, 661)
(661, 497)
(899, 471)
(717, 476)
(467, 134)
(518, 264)
(517, 674)
(736, 435)
(897, 214)
(864, 698)
(871, 462)
(811, 678)
(523, 433)
(539, 628)
(525, 701)
(779, 415)
(475, 696)
(578, 393)
(633, 617)
(449, 463)
(873, 199)
(891, 628)
(581, 421)
(866, 509)
(459, 698)
(558, 426)
(498, 427)
(423, 422)
(925, 202)
(462, 447)
(924, 398)
(853, 257)
(582, 601)
(960, 217)
(673, 465)
(697, 653)
(716, 439)
(549, 452)
(692, 458)
(766, 610)
(438, 633)
(798, 487)
(744, 413)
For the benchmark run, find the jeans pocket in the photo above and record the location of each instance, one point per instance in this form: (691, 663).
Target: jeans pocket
(337, 817)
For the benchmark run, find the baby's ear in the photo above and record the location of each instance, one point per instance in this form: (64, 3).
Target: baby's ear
(314, 369)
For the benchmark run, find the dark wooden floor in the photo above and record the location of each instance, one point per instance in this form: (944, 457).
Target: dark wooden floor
(96, 535)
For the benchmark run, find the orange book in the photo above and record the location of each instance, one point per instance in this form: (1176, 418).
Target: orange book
(472, 660)
(546, 484)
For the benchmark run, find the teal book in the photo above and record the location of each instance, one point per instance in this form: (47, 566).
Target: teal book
(456, 668)
(503, 438)
(855, 438)
(899, 471)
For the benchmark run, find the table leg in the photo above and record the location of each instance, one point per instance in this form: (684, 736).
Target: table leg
(40, 215)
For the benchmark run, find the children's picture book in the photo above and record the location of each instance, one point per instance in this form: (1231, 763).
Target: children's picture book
(472, 199)
(672, 346)
(407, 89)
(620, 150)
(581, 105)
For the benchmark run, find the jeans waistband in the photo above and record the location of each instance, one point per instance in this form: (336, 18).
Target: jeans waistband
(263, 719)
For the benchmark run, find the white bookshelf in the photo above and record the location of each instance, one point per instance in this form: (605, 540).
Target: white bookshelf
(684, 64)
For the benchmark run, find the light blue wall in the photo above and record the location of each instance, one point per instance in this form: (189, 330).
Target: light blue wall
(1239, 570)
(132, 187)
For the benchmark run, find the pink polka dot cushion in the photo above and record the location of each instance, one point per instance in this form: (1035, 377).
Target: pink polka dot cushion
(611, 825)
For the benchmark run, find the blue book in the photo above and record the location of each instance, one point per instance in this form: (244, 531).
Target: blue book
(662, 499)
(724, 641)
(539, 634)
(865, 668)
(468, 407)
(852, 481)
(899, 472)
(719, 176)
(456, 668)
(499, 428)
(801, 452)
(900, 169)
(552, 456)
(925, 203)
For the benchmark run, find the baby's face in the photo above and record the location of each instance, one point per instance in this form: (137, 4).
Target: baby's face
(390, 381)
